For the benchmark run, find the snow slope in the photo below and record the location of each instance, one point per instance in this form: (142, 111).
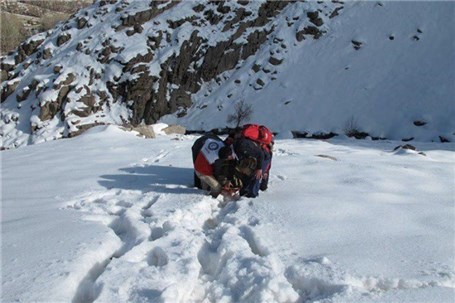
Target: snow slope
(322, 84)
(398, 85)
(111, 217)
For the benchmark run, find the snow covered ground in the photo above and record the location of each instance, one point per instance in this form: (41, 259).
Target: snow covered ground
(111, 217)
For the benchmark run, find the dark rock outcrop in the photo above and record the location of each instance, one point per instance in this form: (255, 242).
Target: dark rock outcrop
(160, 75)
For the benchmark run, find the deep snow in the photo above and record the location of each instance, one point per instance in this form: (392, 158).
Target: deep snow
(112, 217)
(403, 72)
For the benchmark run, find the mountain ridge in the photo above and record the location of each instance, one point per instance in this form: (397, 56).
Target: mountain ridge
(133, 62)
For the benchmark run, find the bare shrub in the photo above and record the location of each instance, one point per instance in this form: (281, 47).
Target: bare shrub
(351, 126)
(11, 32)
(58, 5)
(242, 113)
(49, 20)
(351, 129)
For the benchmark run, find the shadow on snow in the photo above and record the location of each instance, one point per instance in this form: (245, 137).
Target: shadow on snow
(153, 178)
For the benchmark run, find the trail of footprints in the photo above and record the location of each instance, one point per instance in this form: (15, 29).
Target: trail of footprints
(200, 242)
(201, 250)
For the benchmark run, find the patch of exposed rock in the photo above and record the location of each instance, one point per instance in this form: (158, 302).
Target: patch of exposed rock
(142, 63)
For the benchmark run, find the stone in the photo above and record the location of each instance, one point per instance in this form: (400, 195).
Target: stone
(47, 53)
(419, 123)
(174, 129)
(335, 12)
(8, 89)
(57, 69)
(309, 30)
(23, 94)
(315, 19)
(356, 44)
(83, 128)
(145, 131)
(62, 39)
(275, 61)
(81, 23)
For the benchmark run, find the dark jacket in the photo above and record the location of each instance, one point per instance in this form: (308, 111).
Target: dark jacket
(245, 148)
(226, 171)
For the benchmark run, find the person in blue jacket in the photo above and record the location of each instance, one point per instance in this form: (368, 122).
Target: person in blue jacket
(251, 157)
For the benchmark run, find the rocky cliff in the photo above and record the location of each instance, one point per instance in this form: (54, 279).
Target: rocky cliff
(131, 62)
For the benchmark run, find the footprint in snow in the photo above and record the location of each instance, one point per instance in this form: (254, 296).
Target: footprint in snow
(157, 257)
(156, 233)
(161, 155)
(279, 177)
(327, 157)
(250, 237)
(124, 204)
(283, 152)
(253, 221)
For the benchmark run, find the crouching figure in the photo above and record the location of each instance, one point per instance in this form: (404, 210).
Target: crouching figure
(203, 166)
(226, 171)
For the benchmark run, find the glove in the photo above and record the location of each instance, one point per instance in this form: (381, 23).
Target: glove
(258, 174)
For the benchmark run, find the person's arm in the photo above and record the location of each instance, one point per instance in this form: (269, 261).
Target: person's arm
(258, 174)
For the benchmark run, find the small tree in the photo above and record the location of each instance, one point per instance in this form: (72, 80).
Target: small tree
(242, 113)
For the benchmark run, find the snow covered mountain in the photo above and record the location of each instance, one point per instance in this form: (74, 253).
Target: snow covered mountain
(107, 216)
(385, 69)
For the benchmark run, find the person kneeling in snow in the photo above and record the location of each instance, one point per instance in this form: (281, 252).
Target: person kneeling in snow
(196, 148)
(254, 150)
(251, 161)
(203, 166)
(226, 172)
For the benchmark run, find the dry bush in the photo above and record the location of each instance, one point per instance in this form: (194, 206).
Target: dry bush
(62, 6)
(352, 129)
(12, 32)
(49, 20)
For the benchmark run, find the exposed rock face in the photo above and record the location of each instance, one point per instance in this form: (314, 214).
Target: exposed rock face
(145, 62)
(26, 49)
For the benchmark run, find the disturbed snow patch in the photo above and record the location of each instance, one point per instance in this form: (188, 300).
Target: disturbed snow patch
(197, 251)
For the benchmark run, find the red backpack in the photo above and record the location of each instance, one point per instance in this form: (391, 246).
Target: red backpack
(258, 133)
(251, 131)
(265, 135)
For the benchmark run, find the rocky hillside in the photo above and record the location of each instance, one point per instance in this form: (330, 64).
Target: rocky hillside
(133, 62)
(24, 18)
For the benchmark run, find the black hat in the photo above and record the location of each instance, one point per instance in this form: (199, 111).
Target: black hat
(224, 152)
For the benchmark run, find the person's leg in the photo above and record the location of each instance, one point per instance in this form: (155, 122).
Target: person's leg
(265, 178)
(251, 188)
(210, 182)
(197, 181)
